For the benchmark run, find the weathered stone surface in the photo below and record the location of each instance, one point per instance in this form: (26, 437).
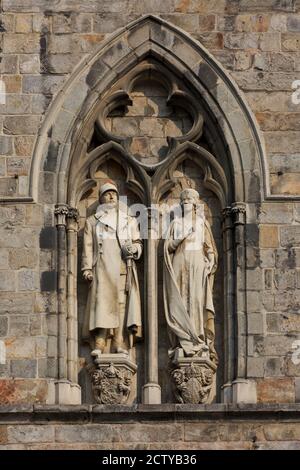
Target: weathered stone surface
(252, 23)
(286, 302)
(45, 302)
(226, 58)
(40, 103)
(200, 6)
(90, 433)
(276, 213)
(276, 390)
(13, 84)
(7, 281)
(19, 325)
(164, 432)
(24, 145)
(29, 63)
(268, 81)
(267, 258)
(23, 368)
(34, 215)
(241, 41)
(30, 433)
(3, 326)
(9, 64)
(243, 60)
(270, 42)
(8, 187)
(21, 43)
(281, 62)
(28, 280)
(288, 184)
(82, 23)
(207, 23)
(278, 22)
(283, 432)
(273, 101)
(3, 258)
(6, 145)
(16, 303)
(254, 5)
(290, 236)
(42, 84)
(285, 163)
(285, 279)
(3, 434)
(287, 258)
(290, 42)
(297, 389)
(19, 348)
(273, 367)
(278, 345)
(7, 23)
(20, 258)
(23, 24)
(18, 166)
(280, 122)
(268, 236)
(16, 104)
(18, 125)
(188, 22)
(36, 328)
(256, 323)
(280, 142)
(255, 367)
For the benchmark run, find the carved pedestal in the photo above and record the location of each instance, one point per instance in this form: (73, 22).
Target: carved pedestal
(111, 378)
(192, 378)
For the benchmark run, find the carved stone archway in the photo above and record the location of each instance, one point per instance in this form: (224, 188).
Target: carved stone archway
(235, 169)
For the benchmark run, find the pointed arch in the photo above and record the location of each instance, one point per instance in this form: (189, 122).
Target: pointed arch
(67, 118)
(236, 173)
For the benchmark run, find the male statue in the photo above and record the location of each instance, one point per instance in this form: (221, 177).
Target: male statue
(190, 261)
(110, 247)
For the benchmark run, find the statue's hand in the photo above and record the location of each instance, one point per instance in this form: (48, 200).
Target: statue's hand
(87, 275)
(129, 249)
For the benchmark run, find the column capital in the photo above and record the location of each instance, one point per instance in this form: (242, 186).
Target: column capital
(61, 211)
(238, 210)
(72, 219)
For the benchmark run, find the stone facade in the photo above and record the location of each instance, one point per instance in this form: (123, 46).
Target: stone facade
(56, 63)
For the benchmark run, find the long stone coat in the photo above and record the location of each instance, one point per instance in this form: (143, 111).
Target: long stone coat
(103, 239)
(188, 285)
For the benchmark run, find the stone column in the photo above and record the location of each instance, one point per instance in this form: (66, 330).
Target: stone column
(61, 212)
(242, 389)
(66, 392)
(72, 328)
(239, 219)
(151, 390)
(229, 333)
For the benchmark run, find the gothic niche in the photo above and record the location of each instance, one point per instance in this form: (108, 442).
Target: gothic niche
(191, 267)
(148, 141)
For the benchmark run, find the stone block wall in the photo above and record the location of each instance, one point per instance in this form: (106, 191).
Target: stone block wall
(257, 42)
(168, 427)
